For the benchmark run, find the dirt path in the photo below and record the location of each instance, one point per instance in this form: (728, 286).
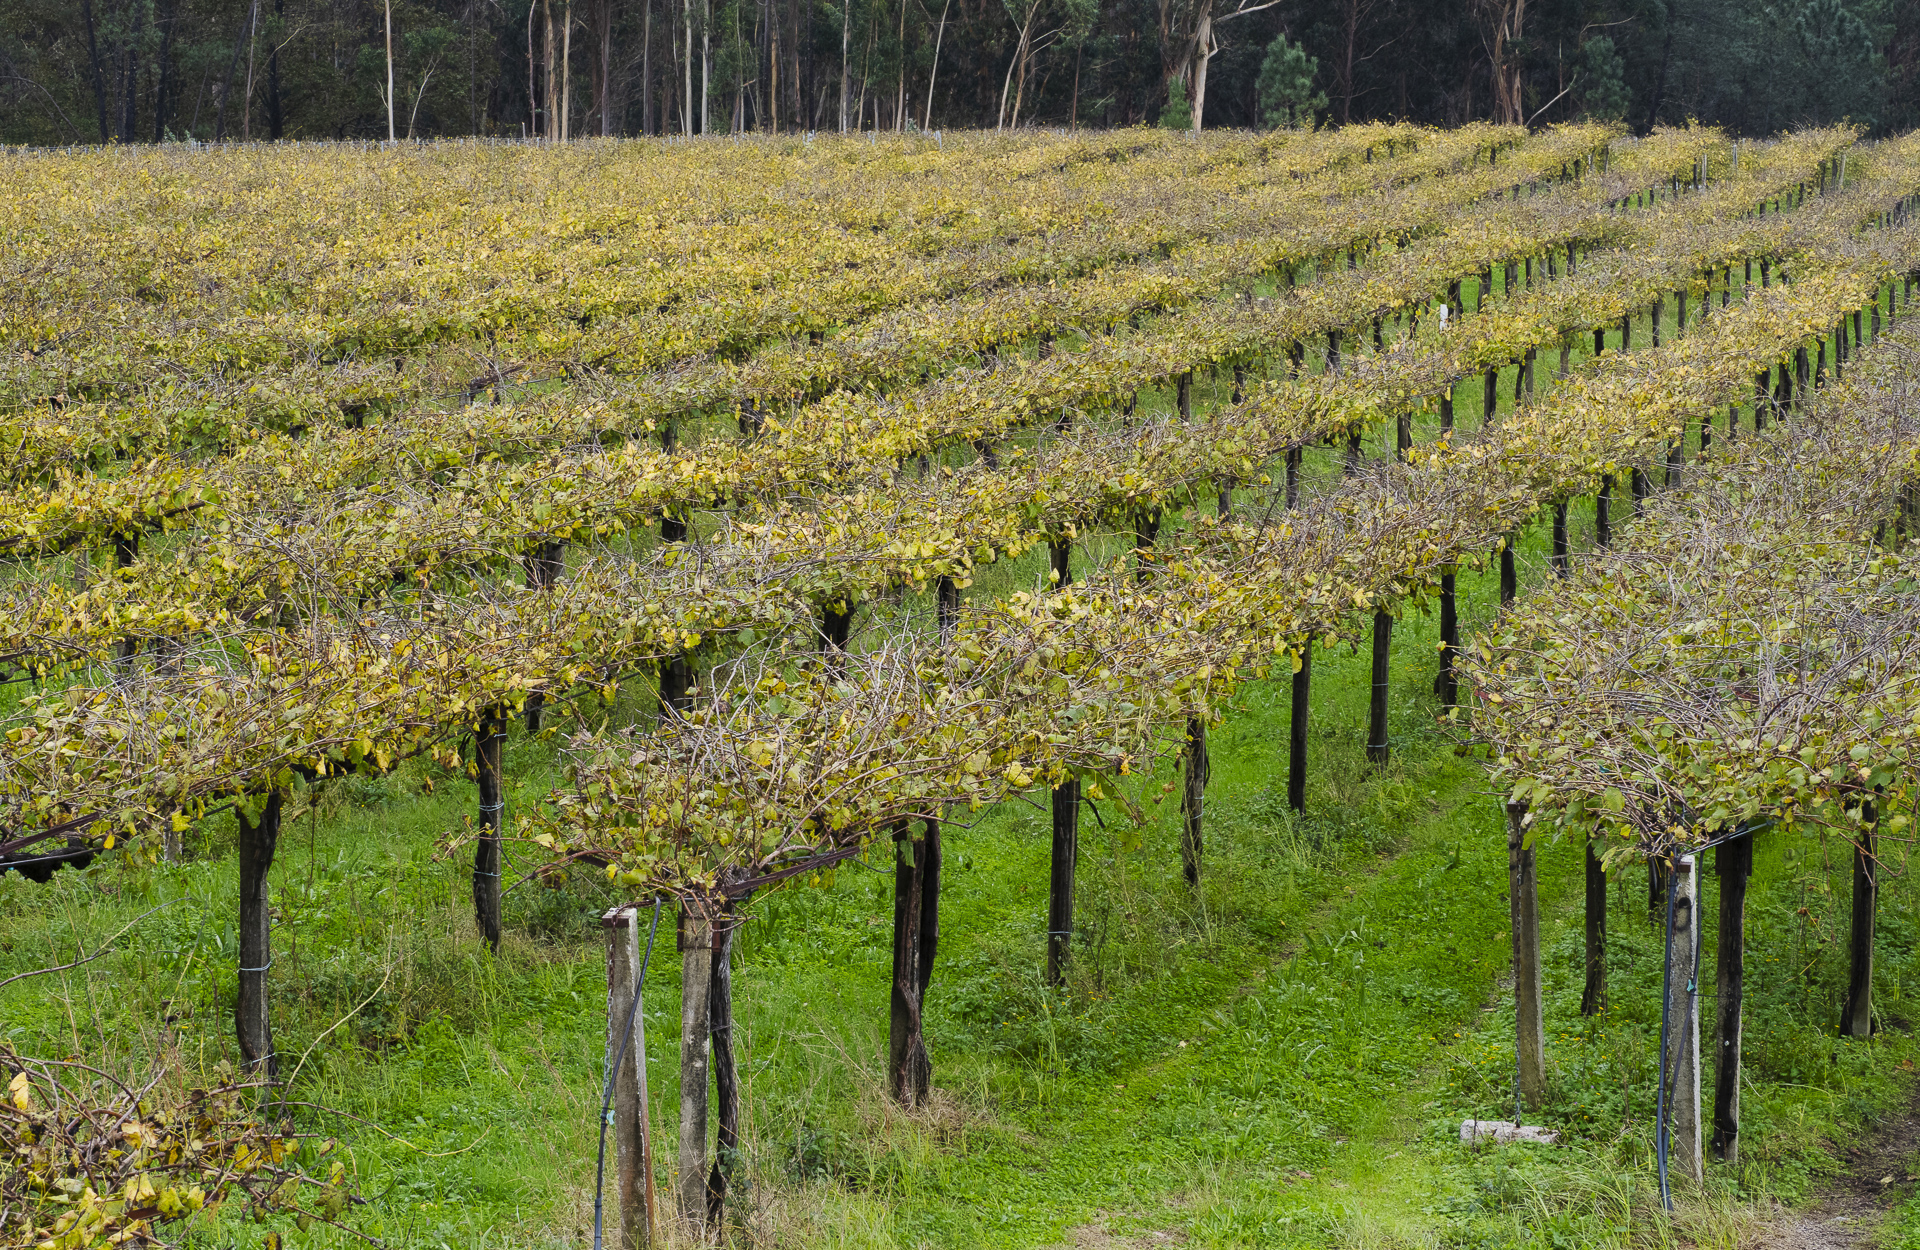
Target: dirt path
(1879, 1172)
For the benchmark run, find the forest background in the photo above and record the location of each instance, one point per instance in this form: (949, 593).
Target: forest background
(94, 71)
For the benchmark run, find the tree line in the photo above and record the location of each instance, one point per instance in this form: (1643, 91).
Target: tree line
(92, 71)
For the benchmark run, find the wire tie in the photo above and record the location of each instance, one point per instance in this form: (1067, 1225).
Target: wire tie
(262, 968)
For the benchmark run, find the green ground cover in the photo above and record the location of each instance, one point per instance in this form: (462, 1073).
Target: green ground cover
(1281, 1057)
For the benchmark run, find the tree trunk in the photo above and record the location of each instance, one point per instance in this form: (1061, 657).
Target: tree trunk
(489, 734)
(1602, 513)
(1524, 918)
(1856, 1017)
(252, 1024)
(1066, 850)
(1193, 798)
(276, 108)
(696, 983)
(99, 81)
(1509, 574)
(1378, 748)
(1733, 860)
(1559, 556)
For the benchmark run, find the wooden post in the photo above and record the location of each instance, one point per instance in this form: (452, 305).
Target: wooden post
(1733, 861)
(1293, 478)
(1559, 557)
(1378, 749)
(1183, 396)
(1066, 851)
(1490, 401)
(1447, 684)
(1297, 730)
(696, 984)
(631, 1142)
(1524, 916)
(1193, 797)
(1602, 513)
(908, 1069)
(1353, 450)
(726, 1073)
(1593, 998)
(259, 836)
(1856, 1017)
(1659, 307)
(1509, 574)
(489, 734)
(1683, 1005)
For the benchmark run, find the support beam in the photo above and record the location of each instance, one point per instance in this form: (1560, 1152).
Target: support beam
(632, 1144)
(696, 987)
(1683, 1010)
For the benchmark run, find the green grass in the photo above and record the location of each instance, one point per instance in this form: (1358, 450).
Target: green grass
(1280, 1058)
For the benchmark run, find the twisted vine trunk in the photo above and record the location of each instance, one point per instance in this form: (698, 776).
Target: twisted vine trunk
(1856, 1017)
(1297, 729)
(1733, 861)
(1593, 998)
(489, 735)
(916, 928)
(1378, 749)
(259, 837)
(1524, 916)
(726, 1075)
(1193, 798)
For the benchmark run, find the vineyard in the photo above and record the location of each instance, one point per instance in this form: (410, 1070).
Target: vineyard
(1113, 689)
